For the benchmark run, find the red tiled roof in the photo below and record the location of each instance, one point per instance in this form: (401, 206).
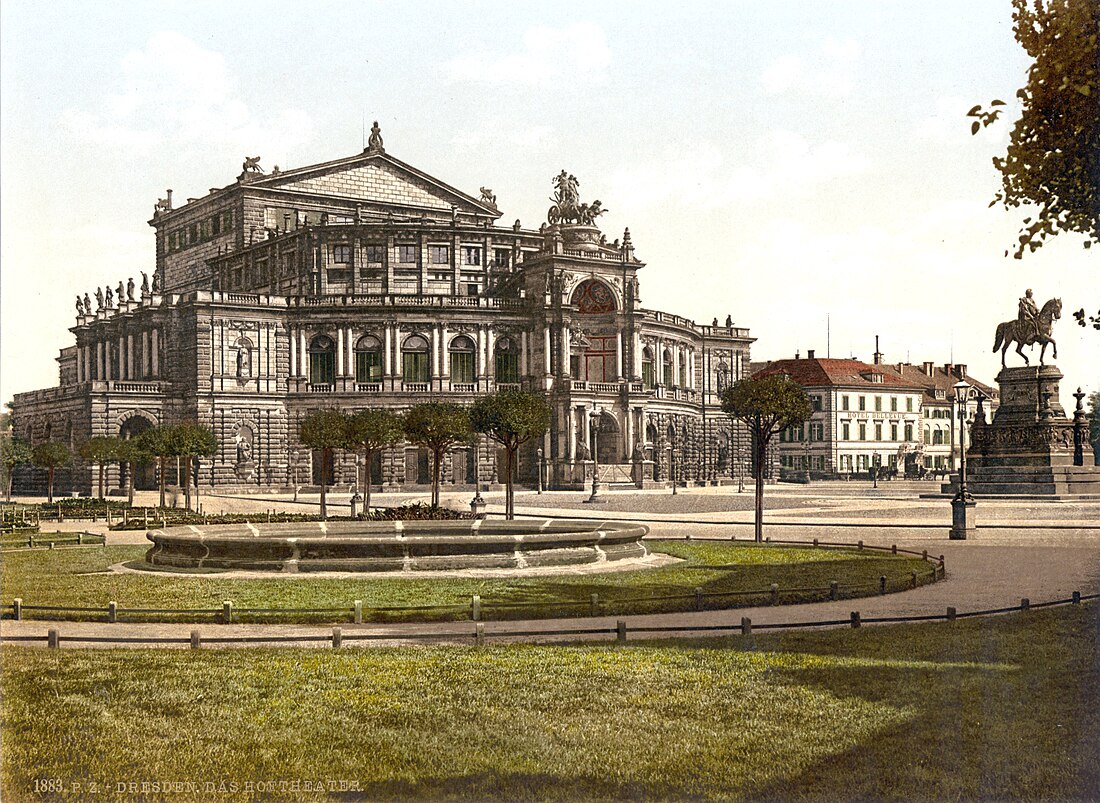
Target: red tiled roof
(826, 372)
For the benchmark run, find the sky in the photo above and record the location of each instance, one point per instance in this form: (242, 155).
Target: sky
(804, 167)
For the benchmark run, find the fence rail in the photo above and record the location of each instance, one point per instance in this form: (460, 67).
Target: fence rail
(621, 631)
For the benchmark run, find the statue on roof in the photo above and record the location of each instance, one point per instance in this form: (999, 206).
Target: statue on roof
(87, 305)
(252, 165)
(121, 291)
(110, 299)
(98, 299)
(130, 289)
(144, 284)
(487, 197)
(374, 143)
(156, 282)
(79, 306)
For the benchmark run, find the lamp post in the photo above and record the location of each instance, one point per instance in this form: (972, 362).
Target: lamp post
(963, 505)
(594, 424)
(538, 455)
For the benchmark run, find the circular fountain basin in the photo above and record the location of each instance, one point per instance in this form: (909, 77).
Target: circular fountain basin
(396, 546)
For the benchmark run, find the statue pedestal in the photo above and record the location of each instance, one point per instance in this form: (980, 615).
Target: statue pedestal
(1028, 448)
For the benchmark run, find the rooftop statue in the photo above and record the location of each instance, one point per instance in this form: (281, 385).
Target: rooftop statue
(1031, 326)
(374, 143)
(252, 165)
(87, 305)
(98, 299)
(79, 306)
(566, 198)
(144, 284)
(110, 300)
(487, 197)
(130, 289)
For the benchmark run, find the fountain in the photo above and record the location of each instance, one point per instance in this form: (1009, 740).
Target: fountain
(394, 546)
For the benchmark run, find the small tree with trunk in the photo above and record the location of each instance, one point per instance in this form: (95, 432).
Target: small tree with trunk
(13, 452)
(129, 454)
(192, 440)
(100, 450)
(158, 442)
(511, 418)
(438, 427)
(51, 456)
(369, 432)
(767, 405)
(325, 430)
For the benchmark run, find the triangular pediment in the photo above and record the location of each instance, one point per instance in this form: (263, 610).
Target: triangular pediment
(375, 178)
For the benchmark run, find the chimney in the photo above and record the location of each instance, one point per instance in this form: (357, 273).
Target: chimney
(949, 369)
(796, 355)
(169, 200)
(960, 370)
(928, 368)
(878, 354)
(809, 354)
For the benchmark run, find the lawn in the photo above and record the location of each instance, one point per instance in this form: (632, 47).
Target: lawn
(79, 578)
(1006, 707)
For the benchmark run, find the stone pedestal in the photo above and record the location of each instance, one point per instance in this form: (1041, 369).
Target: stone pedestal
(1028, 447)
(962, 517)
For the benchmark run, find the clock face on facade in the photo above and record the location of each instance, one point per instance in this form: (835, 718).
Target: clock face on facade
(593, 297)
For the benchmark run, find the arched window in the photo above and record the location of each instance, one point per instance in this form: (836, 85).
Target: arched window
(507, 361)
(648, 376)
(462, 360)
(928, 435)
(322, 361)
(416, 363)
(368, 359)
(666, 368)
(593, 297)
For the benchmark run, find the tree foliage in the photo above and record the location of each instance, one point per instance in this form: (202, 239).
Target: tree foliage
(160, 443)
(51, 456)
(325, 430)
(100, 450)
(766, 405)
(13, 452)
(190, 440)
(438, 427)
(511, 418)
(1053, 157)
(370, 431)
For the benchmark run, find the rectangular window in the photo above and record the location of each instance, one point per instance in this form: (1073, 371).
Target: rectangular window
(439, 254)
(863, 432)
(878, 432)
(502, 257)
(462, 367)
(815, 401)
(908, 432)
(507, 367)
(647, 374)
(846, 427)
(862, 402)
(368, 366)
(893, 404)
(471, 255)
(844, 403)
(375, 253)
(341, 254)
(909, 404)
(894, 432)
(406, 254)
(415, 366)
(878, 404)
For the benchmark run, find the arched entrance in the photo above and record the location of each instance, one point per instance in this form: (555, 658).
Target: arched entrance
(145, 474)
(609, 442)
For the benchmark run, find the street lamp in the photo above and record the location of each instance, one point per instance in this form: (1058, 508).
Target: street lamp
(963, 505)
(538, 455)
(594, 423)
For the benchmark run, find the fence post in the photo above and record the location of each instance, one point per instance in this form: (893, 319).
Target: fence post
(860, 545)
(358, 612)
(196, 640)
(768, 540)
(53, 640)
(882, 584)
(834, 590)
(79, 539)
(815, 543)
(475, 607)
(746, 626)
(337, 638)
(60, 515)
(894, 548)
(698, 598)
(913, 578)
(924, 554)
(1076, 598)
(1025, 604)
(620, 630)
(855, 619)
(479, 634)
(775, 593)
(951, 613)
(112, 612)
(227, 612)
(17, 607)
(594, 605)
(51, 544)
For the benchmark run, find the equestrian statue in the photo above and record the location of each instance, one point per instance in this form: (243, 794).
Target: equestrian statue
(1032, 325)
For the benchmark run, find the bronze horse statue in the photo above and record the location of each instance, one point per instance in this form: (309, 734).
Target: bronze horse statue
(1025, 335)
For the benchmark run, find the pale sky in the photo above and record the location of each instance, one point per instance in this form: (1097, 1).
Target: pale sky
(787, 163)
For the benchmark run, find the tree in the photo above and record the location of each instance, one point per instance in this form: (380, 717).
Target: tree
(13, 452)
(192, 440)
(1053, 156)
(438, 427)
(511, 418)
(767, 405)
(370, 431)
(100, 450)
(158, 442)
(130, 453)
(51, 456)
(325, 430)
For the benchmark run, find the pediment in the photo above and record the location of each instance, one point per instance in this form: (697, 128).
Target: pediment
(377, 179)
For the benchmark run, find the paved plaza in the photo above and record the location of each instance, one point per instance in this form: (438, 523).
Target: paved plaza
(1040, 550)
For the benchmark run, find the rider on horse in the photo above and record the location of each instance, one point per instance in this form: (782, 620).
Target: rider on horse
(1028, 318)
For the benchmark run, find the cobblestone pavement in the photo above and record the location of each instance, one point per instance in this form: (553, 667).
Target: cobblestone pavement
(1023, 549)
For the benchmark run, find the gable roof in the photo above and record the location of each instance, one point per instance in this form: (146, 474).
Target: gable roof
(829, 372)
(942, 378)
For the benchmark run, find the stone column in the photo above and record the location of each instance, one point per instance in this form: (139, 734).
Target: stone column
(100, 371)
(349, 337)
(387, 352)
(154, 352)
(292, 350)
(397, 349)
(523, 353)
(566, 350)
(130, 356)
(145, 353)
(340, 352)
(122, 357)
(437, 359)
(675, 364)
(619, 354)
(303, 359)
(445, 361)
(490, 350)
(546, 350)
(571, 433)
(479, 367)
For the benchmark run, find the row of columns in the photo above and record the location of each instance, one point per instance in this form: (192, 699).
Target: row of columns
(580, 419)
(94, 361)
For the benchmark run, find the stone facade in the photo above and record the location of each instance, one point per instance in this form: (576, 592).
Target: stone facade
(365, 282)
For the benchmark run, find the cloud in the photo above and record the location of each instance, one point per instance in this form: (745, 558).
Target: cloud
(496, 137)
(829, 73)
(784, 165)
(174, 91)
(548, 56)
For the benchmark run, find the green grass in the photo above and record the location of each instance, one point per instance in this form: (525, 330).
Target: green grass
(79, 578)
(1006, 707)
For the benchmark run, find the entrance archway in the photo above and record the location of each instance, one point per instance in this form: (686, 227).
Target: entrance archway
(609, 443)
(145, 474)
